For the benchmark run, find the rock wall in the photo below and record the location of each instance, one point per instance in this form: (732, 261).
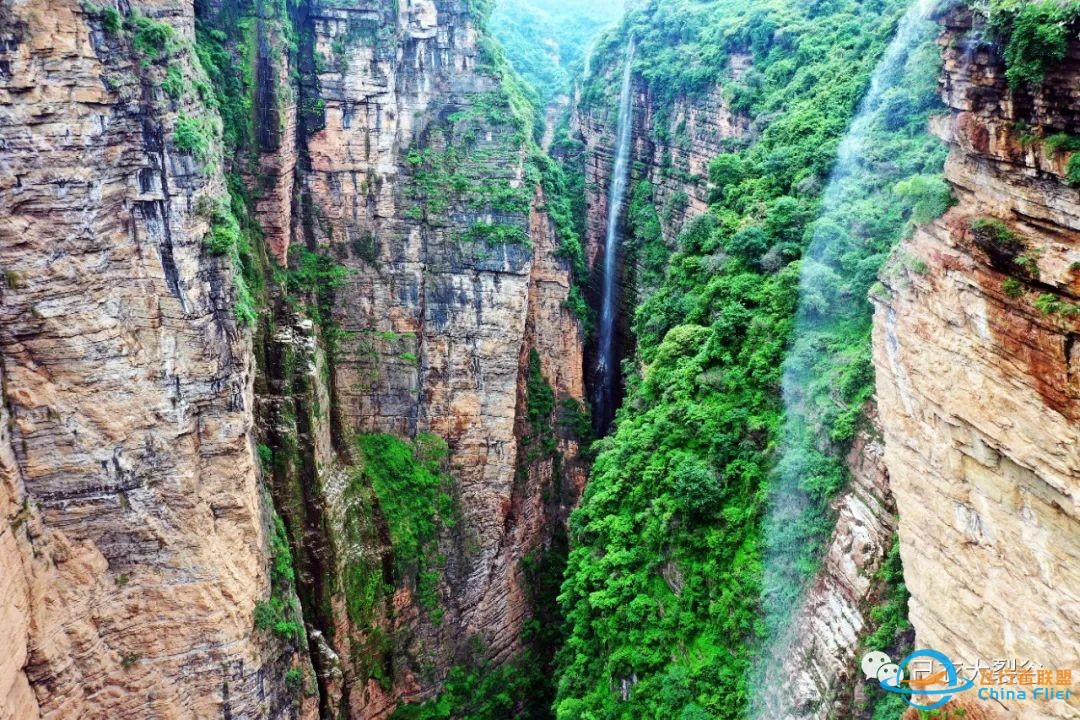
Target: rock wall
(134, 538)
(139, 531)
(673, 144)
(819, 663)
(420, 184)
(976, 356)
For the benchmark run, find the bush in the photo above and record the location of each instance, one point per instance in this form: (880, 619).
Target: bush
(993, 234)
(111, 20)
(1072, 170)
(151, 37)
(174, 85)
(1012, 288)
(929, 196)
(270, 616)
(294, 681)
(190, 136)
(1036, 35)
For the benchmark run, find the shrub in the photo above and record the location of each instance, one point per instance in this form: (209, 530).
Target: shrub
(189, 136)
(270, 615)
(497, 234)
(1072, 170)
(929, 196)
(174, 85)
(993, 235)
(1037, 36)
(111, 20)
(1061, 142)
(151, 37)
(1012, 288)
(294, 681)
(1049, 304)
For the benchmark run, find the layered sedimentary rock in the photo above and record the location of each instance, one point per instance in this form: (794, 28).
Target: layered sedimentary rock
(976, 355)
(819, 664)
(387, 166)
(134, 539)
(419, 185)
(674, 141)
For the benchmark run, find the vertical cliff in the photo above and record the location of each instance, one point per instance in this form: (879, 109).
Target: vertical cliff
(136, 529)
(674, 141)
(307, 240)
(976, 356)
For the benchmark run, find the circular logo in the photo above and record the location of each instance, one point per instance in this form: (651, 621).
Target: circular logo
(954, 683)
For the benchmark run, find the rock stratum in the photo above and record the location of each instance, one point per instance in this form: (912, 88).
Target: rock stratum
(186, 410)
(976, 356)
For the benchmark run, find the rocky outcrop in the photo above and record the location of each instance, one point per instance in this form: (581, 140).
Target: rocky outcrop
(976, 356)
(819, 663)
(134, 545)
(674, 142)
(388, 167)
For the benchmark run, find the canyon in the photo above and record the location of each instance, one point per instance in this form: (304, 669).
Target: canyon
(296, 366)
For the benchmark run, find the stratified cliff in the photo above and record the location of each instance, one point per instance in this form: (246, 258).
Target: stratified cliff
(136, 530)
(308, 241)
(976, 355)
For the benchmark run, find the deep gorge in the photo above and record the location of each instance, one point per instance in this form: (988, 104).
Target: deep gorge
(302, 310)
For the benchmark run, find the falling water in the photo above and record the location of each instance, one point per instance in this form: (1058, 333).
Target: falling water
(781, 669)
(606, 372)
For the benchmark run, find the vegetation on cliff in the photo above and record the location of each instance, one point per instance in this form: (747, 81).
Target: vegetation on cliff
(663, 593)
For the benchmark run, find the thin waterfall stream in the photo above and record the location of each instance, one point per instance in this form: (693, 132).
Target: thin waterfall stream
(607, 372)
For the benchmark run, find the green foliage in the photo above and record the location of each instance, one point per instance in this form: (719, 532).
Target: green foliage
(112, 21)
(1050, 304)
(664, 586)
(150, 38)
(993, 233)
(228, 238)
(191, 136)
(294, 681)
(546, 40)
(1061, 142)
(406, 487)
(280, 613)
(1035, 35)
(485, 694)
(272, 615)
(649, 251)
(496, 233)
(227, 59)
(174, 84)
(1012, 288)
(564, 188)
(889, 617)
(316, 275)
(929, 196)
(1072, 170)
(411, 490)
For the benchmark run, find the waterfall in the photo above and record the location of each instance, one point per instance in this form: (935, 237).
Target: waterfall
(607, 374)
(860, 173)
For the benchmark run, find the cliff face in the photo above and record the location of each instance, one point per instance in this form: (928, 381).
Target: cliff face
(420, 185)
(386, 165)
(135, 528)
(819, 662)
(674, 139)
(976, 361)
